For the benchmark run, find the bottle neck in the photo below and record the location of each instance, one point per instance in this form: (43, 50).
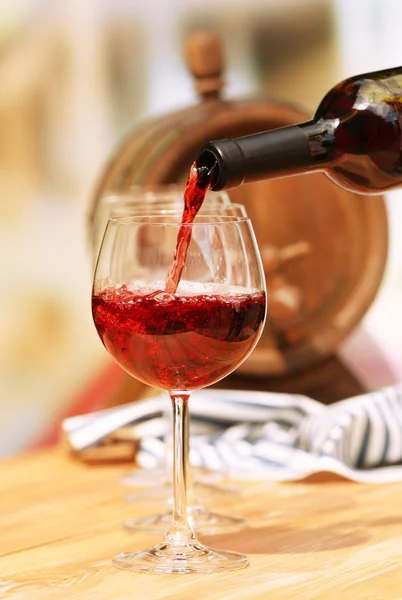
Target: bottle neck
(275, 153)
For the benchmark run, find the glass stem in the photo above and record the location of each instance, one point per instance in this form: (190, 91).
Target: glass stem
(180, 531)
(192, 499)
(168, 436)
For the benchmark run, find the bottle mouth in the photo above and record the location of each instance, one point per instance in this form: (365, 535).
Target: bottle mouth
(206, 173)
(221, 164)
(208, 170)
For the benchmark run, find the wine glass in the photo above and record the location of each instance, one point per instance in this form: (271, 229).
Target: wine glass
(179, 342)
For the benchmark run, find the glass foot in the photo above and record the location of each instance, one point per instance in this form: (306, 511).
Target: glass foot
(158, 475)
(156, 494)
(144, 477)
(162, 494)
(202, 521)
(189, 558)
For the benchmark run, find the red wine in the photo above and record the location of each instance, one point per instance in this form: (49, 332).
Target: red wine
(355, 138)
(194, 195)
(177, 342)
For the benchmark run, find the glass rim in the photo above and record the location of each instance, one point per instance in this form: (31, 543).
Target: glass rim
(175, 220)
(171, 206)
(155, 193)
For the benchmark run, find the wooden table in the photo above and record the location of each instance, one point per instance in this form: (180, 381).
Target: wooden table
(60, 524)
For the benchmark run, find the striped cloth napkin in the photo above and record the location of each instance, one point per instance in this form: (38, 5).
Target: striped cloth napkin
(255, 435)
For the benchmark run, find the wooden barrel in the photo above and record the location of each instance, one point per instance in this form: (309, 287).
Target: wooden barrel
(324, 248)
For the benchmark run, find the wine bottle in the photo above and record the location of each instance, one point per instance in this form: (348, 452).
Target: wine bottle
(355, 138)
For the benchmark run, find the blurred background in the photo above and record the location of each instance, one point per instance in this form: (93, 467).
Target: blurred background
(76, 77)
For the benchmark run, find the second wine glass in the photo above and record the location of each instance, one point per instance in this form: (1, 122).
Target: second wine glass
(168, 202)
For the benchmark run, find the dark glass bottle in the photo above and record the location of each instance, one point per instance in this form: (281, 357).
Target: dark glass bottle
(355, 138)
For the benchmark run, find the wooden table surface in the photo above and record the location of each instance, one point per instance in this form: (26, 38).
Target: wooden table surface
(60, 524)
